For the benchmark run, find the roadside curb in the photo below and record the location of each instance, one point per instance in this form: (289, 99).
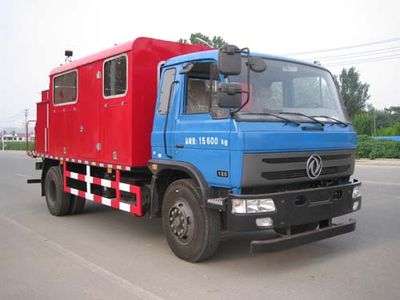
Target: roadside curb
(378, 162)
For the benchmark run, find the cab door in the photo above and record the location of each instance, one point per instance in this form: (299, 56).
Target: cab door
(201, 129)
(165, 115)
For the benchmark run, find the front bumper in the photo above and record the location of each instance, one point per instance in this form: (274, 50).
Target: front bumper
(284, 242)
(296, 207)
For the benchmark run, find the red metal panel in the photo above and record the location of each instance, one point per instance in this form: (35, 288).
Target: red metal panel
(121, 126)
(60, 119)
(45, 95)
(116, 124)
(40, 128)
(64, 131)
(74, 128)
(88, 111)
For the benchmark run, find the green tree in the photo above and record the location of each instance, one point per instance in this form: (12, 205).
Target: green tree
(393, 110)
(364, 123)
(201, 39)
(391, 130)
(386, 121)
(382, 119)
(353, 91)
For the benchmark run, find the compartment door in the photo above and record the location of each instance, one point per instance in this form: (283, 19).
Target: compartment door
(115, 112)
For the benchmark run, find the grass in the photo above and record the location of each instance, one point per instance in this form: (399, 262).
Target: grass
(17, 146)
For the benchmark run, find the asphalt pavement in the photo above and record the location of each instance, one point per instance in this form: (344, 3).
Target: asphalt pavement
(108, 254)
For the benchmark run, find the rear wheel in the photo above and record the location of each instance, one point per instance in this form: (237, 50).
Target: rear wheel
(57, 200)
(77, 204)
(192, 231)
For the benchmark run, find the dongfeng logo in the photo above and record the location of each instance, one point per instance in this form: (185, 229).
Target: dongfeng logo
(314, 166)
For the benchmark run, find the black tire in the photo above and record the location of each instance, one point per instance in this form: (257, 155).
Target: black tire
(77, 205)
(298, 228)
(192, 231)
(58, 202)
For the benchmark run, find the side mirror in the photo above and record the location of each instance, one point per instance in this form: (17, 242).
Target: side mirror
(229, 95)
(229, 60)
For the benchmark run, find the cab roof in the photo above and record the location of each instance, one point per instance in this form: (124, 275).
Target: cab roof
(213, 55)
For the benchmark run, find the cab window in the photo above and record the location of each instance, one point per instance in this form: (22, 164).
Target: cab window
(201, 91)
(167, 89)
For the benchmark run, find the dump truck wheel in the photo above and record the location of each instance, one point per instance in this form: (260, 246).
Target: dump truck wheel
(57, 200)
(192, 231)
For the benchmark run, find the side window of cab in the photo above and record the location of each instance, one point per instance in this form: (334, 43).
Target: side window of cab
(166, 92)
(202, 91)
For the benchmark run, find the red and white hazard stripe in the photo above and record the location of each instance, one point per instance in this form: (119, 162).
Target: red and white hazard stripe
(114, 184)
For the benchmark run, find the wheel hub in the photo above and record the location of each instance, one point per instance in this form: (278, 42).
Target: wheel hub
(180, 222)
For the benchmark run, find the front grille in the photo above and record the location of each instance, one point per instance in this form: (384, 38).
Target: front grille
(260, 169)
(302, 173)
(334, 170)
(282, 160)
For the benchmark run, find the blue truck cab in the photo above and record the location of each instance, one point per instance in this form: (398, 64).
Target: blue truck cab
(245, 142)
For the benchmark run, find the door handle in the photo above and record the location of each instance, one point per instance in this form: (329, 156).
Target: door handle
(180, 146)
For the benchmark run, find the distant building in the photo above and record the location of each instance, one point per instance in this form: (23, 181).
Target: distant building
(17, 137)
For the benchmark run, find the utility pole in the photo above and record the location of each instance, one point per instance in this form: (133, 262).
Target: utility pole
(2, 138)
(26, 126)
(26, 115)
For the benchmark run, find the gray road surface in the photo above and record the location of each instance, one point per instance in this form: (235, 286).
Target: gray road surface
(108, 254)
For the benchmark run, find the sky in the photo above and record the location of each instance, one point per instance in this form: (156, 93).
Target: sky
(34, 35)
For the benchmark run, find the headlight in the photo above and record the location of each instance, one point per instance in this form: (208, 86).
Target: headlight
(260, 205)
(252, 206)
(356, 192)
(238, 206)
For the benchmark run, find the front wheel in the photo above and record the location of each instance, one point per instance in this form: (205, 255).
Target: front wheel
(192, 231)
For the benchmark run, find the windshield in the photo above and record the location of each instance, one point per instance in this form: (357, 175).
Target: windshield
(285, 88)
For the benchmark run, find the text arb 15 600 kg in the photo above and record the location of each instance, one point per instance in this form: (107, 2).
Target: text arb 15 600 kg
(210, 140)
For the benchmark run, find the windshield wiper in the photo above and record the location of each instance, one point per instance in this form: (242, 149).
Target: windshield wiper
(333, 119)
(303, 115)
(273, 115)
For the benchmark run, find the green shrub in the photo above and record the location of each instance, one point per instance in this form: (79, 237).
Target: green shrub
(370, 148)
